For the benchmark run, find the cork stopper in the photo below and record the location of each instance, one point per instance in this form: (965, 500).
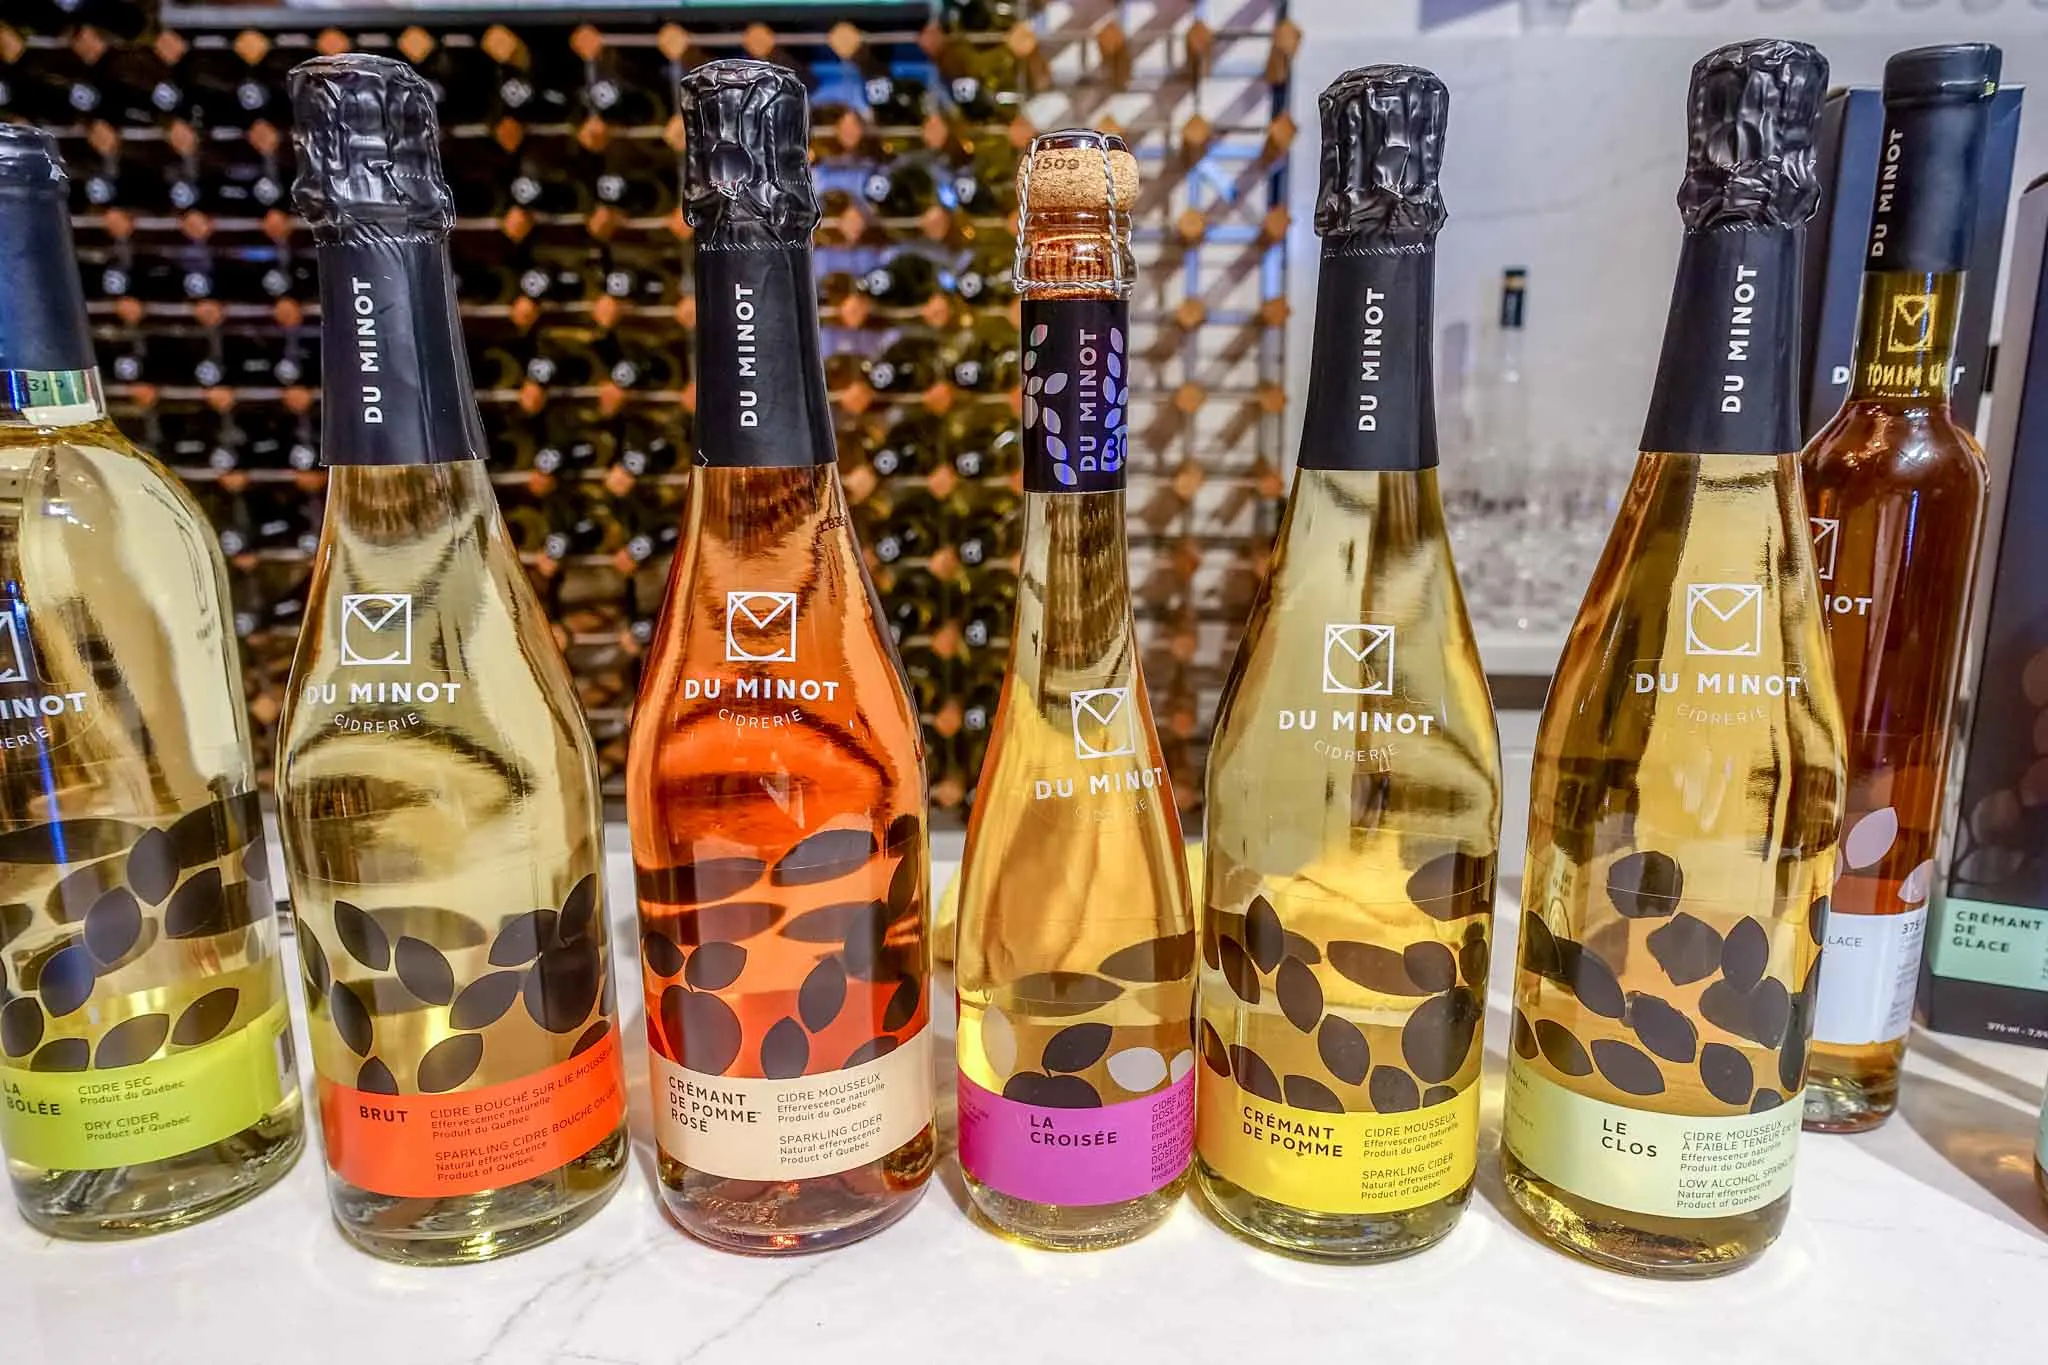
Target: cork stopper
(746, 164)
(1077, 169)
(1383, 147)
(29, 160)
(369, 148)
(1751, 113)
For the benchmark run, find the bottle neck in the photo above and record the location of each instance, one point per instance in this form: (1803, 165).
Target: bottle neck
(397, 389)
(1727, 379)
(1076, 407)
(1906, 337)
(1370, 392)
(761, 400)
(47, 368)
(1926, 197)
(51, 398)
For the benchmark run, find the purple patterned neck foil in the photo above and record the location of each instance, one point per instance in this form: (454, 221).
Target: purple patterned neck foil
(1075, 399)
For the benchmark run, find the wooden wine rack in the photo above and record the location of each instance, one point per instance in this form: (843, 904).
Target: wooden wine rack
(1202, 104)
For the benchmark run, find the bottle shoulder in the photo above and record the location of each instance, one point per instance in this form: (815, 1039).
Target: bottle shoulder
(1871, 447)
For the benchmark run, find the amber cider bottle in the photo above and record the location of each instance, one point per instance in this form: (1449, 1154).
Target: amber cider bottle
(1686, 801)
(1896, 488)
(775, 780)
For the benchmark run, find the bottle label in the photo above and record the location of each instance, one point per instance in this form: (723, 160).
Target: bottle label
(396, 388)
(1663, 1165)
(1369, 391)
(1076, 406)
(108, 1117)
(1992, 944)
(1727, 378)
(1338, 1163)
(800, 1127)
(761, 401)
(1099, 1155)
(431, 1146)
(1869, 971)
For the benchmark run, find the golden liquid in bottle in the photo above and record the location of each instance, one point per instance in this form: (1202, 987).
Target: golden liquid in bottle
(438, 798)
(137, 929)
(775, 793)
(1077, 937)
(1353, 823)
(1683, 821)
(1896, 490)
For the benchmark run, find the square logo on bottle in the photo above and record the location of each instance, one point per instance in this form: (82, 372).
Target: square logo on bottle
(1358, 660)
(1827, 540)
(1102, 723)
(1910, 326)
(760, 627)
(376, 628)
(1725, 619)
(14, 651)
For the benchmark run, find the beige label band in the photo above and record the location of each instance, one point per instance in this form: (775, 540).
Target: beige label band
(748, 1128)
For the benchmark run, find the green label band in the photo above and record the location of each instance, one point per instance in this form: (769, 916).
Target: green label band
(1994, 945)
(28, 390)
(1665, 1165)
(133, 1115)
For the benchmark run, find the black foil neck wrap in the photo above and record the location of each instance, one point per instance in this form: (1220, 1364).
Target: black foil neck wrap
(746, 162)
(1937, 103)
(369, 149)
(395, 385)
(1371, 401)
(42, 306)
(1728, 377)
(1383, 147)
(1751, 115)
(761, 400)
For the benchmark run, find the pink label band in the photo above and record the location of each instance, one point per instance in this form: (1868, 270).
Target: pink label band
(1077, 1156)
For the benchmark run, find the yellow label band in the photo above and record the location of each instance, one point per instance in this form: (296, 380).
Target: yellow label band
(133, 1115)
(1337, 1163)
(1666, 1165)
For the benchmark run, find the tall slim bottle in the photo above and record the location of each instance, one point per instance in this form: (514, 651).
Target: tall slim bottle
(436, 788)
(1354, 778)
(775, 780)
(1896, 490)
(1686, 801)
(1076, 954)
(146, 1066)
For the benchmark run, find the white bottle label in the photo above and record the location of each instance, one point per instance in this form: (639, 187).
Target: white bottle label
(1869, 969)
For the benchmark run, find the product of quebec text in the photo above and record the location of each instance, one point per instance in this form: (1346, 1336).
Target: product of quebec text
(1686, 800)
(1895, 489)
(146, 1068)
(437, 791)
(1354, 779)
(1076, 950)
(775, 781)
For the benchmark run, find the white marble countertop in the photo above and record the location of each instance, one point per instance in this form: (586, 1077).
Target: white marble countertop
(1923, 1242)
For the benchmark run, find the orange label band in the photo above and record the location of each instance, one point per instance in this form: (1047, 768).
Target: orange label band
(433, 1146)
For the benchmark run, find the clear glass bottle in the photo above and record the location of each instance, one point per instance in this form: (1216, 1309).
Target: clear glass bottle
(1896, 491)
(147, 1077)
(1076, 950)
(1686, 800)
(1354, 778)
(775, 781)
(437, 790)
